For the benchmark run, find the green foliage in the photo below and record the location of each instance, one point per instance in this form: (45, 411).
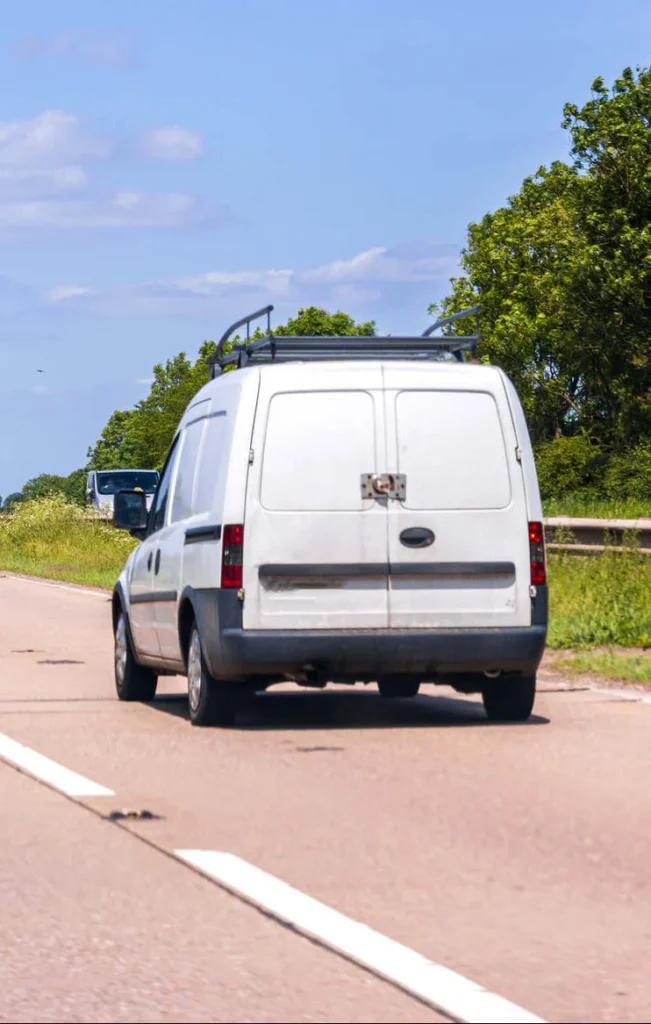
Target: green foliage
(583, 504)
(319, 323)
(11, 500)
(616, 665)
(139, 438)
(630, 474)
(600, 600)
(57, 539)
(113, 449)
(575, 471)
(53, 538)
(568, 465)
(71, 487)
(563, 274)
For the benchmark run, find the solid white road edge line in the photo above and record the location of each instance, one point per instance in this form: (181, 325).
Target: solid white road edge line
(78, 588)
(619, 693)
(440, 987)
(48, 771)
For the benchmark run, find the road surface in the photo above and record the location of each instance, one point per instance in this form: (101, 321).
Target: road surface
(518, 857)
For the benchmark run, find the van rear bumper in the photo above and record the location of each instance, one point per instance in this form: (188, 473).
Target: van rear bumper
(361, 655)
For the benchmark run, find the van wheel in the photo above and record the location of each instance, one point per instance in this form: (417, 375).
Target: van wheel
(211, 701)
(509, 699)
(398, 687)
(132, 681)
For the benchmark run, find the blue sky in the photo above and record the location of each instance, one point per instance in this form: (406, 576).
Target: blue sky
(167, 166)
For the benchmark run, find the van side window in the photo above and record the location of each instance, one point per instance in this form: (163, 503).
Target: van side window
(160, 501)
(182, 504)
(213, 464)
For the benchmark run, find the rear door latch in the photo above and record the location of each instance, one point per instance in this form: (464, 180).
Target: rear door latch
(384, 485)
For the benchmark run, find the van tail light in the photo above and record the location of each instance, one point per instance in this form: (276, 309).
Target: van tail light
(232, 549)
(537, 555)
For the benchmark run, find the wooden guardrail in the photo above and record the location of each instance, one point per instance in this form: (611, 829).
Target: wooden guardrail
(592, 536)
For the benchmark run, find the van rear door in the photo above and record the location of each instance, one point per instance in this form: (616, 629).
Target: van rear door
(315, 549)
(458, 540)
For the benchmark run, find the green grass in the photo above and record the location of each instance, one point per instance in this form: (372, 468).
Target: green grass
(595, 601)
(56, 540)
(623, 666)
(581, 507)
(600, 600)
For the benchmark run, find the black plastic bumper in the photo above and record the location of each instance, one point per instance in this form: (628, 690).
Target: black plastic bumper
(234, 653)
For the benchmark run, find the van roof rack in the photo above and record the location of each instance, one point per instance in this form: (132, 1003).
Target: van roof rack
(271, 348)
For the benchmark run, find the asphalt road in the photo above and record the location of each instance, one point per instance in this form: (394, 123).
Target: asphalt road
(517, 856)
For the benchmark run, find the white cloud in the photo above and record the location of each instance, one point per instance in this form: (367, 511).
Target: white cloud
(122, 210)
(66, 292)
(44, 185)
(365, 278)
(172, 143)
(102, 49)
(52, 138)
(428, 261)
(43, 156)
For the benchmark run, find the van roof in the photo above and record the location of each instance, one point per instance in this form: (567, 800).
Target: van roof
(474, 375)
(274, 348)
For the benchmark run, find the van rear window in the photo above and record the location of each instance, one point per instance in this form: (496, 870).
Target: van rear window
(317, 445)
(451, 448)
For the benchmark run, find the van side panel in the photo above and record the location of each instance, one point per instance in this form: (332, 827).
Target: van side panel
(532, 491)
(220, 480)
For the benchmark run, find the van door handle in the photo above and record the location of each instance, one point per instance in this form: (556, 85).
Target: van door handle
(149, 562)
(157, 563)
(417, 537)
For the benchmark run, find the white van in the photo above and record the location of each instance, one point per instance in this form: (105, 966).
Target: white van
(103, 485)
(339, 510)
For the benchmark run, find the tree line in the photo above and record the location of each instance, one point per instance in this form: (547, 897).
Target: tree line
(563, 275)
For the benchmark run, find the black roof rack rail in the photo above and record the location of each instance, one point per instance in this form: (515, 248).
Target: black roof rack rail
(306, 348)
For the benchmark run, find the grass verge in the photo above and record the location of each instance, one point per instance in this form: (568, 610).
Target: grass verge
(580, 507)
(621, 666)
(55, 540)
(599, 600)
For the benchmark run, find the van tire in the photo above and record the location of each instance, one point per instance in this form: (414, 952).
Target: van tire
(509, 699)
(394, 688)
(133, 682)
(211, 701)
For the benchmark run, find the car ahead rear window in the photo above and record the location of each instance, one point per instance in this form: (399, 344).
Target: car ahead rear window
(317, 446)
(451, 448)
(111, 482)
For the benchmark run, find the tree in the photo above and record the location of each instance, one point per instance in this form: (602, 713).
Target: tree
(611, 146)
(12, 500)
(71, 487)
(139, 438)
(113, 449)
(319, 323)
(563, 275)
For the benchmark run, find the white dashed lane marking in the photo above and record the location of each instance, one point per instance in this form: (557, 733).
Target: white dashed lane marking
(48, 771)
(438, 986)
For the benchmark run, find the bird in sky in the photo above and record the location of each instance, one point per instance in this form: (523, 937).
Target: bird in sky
(40, 371)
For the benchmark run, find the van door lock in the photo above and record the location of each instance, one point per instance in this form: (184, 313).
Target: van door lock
(384, 485)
